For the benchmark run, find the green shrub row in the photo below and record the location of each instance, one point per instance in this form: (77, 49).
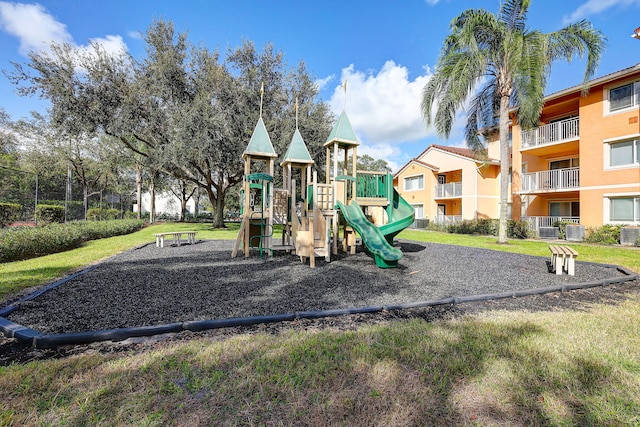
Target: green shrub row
(97, 214)
(604, 235)
(48, 214)
(486, 227)
(9, 212)
(29, 242)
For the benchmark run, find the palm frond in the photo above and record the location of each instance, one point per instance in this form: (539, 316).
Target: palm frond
(530, 80)
(578, 39)
(481, 114)
(513, 13)
(449, 88)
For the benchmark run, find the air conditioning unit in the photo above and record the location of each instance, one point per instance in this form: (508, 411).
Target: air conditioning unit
(629, 235)
(548, 232)
(575, 233)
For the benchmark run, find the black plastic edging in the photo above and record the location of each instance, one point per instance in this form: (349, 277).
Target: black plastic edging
(201, 325)
(39, 340)
(119, 334)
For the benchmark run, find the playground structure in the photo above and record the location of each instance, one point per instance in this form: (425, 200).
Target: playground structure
(312, 214)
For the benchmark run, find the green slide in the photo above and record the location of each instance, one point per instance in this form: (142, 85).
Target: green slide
(379, 239)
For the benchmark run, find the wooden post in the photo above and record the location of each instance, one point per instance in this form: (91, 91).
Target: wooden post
(247, 206)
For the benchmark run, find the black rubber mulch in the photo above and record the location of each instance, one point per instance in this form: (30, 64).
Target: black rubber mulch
(151, 286)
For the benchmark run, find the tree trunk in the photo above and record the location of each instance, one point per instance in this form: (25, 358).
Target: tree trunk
(218, 219)
(152, 192)
(85, 199)
(139, 189)
(505, 159)
(183, 207)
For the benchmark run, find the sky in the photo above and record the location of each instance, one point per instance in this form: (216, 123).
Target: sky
(386, 50)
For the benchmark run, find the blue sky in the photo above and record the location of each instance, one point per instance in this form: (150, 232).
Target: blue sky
(386, 50)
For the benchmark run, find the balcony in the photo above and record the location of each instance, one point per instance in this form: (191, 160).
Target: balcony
(551, 180)
(537, 222)
(562, 131)
(447, 219)
(452, 189)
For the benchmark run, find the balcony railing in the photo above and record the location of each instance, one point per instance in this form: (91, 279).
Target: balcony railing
(563, 130)
(535, 222)
(551, 180)
(452, 189)
(447, 219)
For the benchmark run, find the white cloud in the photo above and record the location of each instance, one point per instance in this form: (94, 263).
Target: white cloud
(384, 110)
(37, 29)
(322, 83)
(432, 2)
(592, 7)
(113, 45)
(384, 107)
(136, 35)
(33, 25)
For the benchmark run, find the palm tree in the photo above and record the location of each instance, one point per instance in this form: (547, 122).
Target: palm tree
(498, 65)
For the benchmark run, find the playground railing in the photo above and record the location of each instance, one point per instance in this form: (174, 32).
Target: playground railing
(372, 185)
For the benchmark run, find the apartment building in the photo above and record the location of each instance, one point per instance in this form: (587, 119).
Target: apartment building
(581, 164)
(448, 184)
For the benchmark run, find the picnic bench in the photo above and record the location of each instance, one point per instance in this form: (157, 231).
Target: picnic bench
(563, 258)
(176, 236)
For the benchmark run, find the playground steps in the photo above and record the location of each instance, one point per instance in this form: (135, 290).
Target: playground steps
(372, 201)
(283, 247)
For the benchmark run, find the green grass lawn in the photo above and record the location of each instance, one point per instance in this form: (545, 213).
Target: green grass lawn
(560, 368)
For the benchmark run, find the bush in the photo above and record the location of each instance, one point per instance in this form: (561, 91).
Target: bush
(433, 226)
(97, 214)
(489, 227)
(30, 242)
(519, 230)
(47, 214)
(605, 235)
(9, 212)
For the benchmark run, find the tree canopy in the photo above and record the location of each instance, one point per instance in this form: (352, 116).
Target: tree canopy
(182, 109)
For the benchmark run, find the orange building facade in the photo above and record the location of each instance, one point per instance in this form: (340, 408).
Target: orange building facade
(580, 165)
(448, 184)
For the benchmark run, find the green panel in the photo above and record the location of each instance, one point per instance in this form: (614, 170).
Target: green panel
(259, 177)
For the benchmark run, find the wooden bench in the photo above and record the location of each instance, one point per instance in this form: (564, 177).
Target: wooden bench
(177, 237)
(563, 258)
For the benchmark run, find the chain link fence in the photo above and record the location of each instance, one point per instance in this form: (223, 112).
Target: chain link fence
(30, 190)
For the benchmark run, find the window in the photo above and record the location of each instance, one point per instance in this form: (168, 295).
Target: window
(413, 183)
(419, 211)
(624, 153)
(564, 164)
(571, 209)
(624, 96)
(624, 209)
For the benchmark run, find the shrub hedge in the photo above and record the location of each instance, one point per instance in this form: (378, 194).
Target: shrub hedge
(97, 214)
(48, 214)
(9, 212)
(605, 235)
(489, 227)
(29, 242)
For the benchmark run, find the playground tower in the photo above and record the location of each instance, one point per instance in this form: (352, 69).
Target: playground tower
(360, 203)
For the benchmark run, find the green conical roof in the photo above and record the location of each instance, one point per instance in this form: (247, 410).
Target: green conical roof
(297, 151)
(260, 143)
(342, 132)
